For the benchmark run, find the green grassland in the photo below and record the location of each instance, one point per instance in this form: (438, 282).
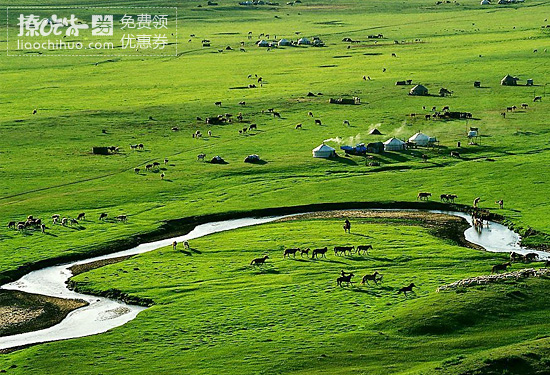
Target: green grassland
(47, 168)
(216, 313)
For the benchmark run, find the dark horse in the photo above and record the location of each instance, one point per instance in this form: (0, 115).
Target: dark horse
(347, 226)
(344, 279)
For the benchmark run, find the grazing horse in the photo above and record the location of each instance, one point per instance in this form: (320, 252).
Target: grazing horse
(201, 157)
(423, 196)
(318, 122)
(122, 218)
(218, 104)
(81, 216)
(537, 99)
(406, 289)
(364, 248)
(344, 279)
(500, 267)
(347, 226)
(514, 257)
(476, 201)
(374, 277)
(305, 251)
(343, 249)
(259, 261)
(530, 257)
(288, 252)
(315, 253)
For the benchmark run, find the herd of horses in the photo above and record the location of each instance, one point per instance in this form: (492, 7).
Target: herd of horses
(34, 223)
(338, 250)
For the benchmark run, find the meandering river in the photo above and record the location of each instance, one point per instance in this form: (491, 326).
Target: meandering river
(103, 314)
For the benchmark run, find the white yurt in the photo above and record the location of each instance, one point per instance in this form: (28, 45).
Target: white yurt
(394, 144)
(284, 42)
(323, 151)
(485, 2)
(304, 41)
(263, 43)
(420, 139)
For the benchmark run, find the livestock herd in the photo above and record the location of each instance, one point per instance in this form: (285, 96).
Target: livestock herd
(32, 223)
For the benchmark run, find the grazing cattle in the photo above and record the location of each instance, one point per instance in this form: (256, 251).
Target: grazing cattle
(64, 221)
(346, 122)
(455, 154)
(136, 170)
(244, 129)
(446, 108)
(406, 289)
(503, 114)
(393, 55)
(364, 248)
(54, 221)
(530, 257)
(318, 122)
(141, 146)
(427, 117)
(500, 267)
(175, 129)
(201, 157)
(289, 252)
(343, 249)
(11, 224)
(162, 175)
(537, 99)
(242, 103)
(103, 216)
(315, 253)
(509, 109)
(344, 279)
(305, 251)
(347, 226)
(134, 147)
(43, 228)
(73, 221)
(423, 196)
(20, 227)
(148, 167)
(434, 109)
(156, 164)
(259, 261)
(413, 115)
(253, 127)
(298, 126)
(122, 218)
(524, 105)
(165, 161)
(218, 104)
(276, 114)
(199, 118)
(374, 277)
(310, 114)
(186, 244)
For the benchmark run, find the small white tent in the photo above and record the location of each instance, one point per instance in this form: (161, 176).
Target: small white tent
(263, 43)
(284, 42)
(485, 2)
(420, 139)
(323, 151)
(394, 144)
(305, 41)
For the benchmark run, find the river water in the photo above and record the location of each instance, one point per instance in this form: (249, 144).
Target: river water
(103, 314)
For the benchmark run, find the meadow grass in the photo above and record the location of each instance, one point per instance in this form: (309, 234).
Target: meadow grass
(47, 166)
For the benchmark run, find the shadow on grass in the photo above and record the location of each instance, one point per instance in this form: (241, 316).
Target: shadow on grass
(344, 160)
(195, 251)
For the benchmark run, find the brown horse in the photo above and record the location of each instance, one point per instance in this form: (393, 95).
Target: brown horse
(344, 279)
(290, 251)
(500, 267)
(406, 289)
(374, 277)
(316, 252)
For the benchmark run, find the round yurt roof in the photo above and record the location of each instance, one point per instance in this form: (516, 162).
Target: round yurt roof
(419, 137)
(323, 148)
(394, 141)
(419, 89)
